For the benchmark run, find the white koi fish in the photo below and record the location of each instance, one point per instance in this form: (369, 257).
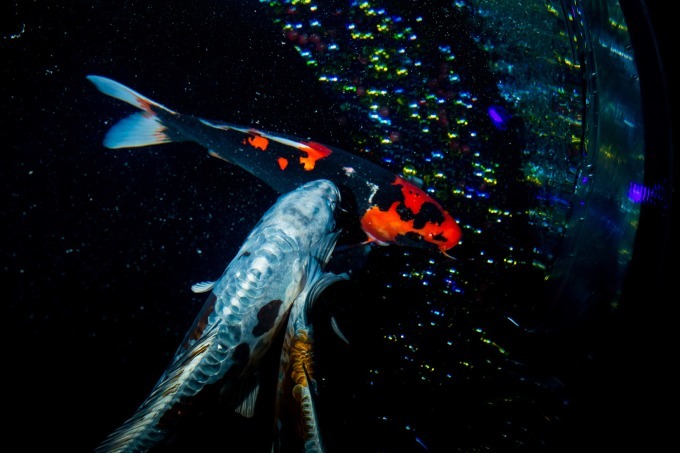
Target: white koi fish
(281, 263)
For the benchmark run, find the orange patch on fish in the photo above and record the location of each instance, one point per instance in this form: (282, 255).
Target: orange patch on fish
(315, 151)
(414, 197)
(283, 163)
(386, 227)
(301, 359)
(145, 105)
(257, 141)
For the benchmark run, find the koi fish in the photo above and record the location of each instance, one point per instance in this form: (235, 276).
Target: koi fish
(280, 264)
(391, 209)
(296, 421)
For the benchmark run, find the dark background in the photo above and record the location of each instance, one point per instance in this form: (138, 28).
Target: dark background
(85, 230)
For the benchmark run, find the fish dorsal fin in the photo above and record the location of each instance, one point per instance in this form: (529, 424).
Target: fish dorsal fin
(247, 407)
(202, 287)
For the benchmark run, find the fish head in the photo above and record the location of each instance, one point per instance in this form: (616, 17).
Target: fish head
(306, 214)
(404, 214)
(318, 198)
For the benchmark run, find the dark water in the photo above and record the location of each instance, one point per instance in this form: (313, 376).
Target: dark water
(548, 332)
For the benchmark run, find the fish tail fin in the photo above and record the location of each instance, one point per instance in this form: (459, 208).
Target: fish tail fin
(139, 129)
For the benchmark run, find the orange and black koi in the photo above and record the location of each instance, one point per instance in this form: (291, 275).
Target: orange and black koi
(391, 210)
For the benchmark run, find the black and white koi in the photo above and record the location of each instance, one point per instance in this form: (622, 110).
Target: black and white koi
(280, 264)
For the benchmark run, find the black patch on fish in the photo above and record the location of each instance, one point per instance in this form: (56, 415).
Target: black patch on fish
(429, 213)
(410, 239)
(387, 195)
(406, 214)
(413, 239)
(240, 356)
(172, 417)
(439, 237)
(266, 317)
(242, 353)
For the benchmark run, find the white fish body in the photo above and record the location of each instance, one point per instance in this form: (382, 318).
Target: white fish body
(280, 263)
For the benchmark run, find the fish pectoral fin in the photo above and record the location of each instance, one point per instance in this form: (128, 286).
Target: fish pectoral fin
(320, 283)
(213, 153)
(203, 287)
(336, 329)
(323, 249)
(349, 258)
(362, 247)
(247, 406)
